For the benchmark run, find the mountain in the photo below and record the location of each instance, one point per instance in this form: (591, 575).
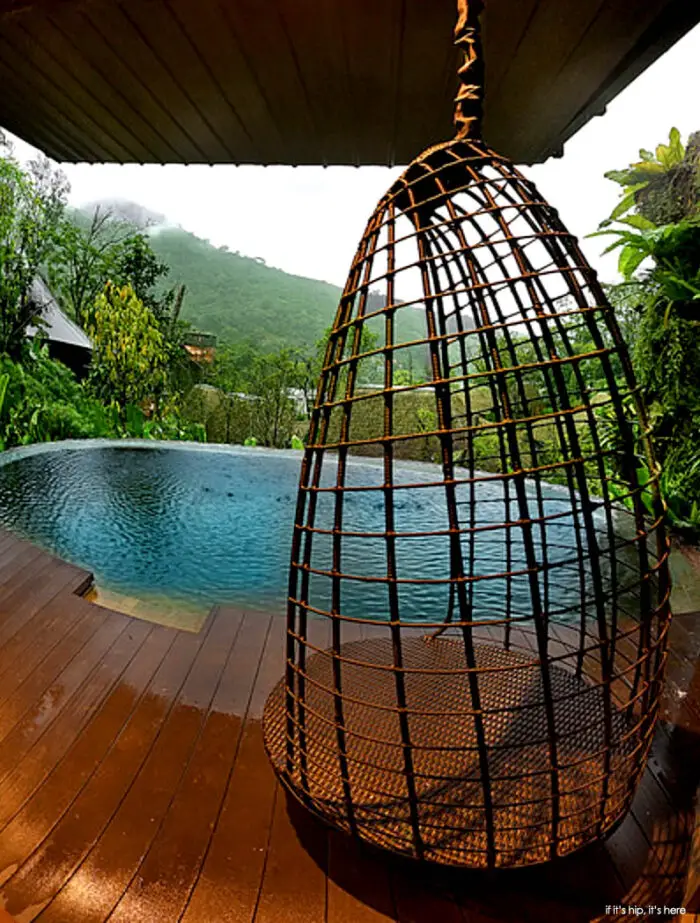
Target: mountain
(240, 298)
(124, 210)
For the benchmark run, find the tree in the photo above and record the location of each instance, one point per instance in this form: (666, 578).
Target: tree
(274, 377)
(52, 187)
(109, 249)
(106, 250)
(135, 264)
(369, 368)
(30, 210)
(129, 360)
(84, 262)
(232, 370)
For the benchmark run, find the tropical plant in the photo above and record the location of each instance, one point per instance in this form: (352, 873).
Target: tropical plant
(44, 401)
(129, 360)
(673, 281)
(108, 249)
(662, 186)
(656, 227)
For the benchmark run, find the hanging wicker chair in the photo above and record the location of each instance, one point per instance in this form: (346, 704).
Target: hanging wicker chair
(475, 646)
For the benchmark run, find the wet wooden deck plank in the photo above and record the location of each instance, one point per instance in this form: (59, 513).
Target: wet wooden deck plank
(118, 810)
(118, 707)
(417, 901)
(359, 887)
(228, 886)
(20, 572)
(16, 742)
(130, 717)
(29, 677)
(294, 883)
(47, 606)
(48, 755)
(194, 816)
(161, 879)
(107, 716)
(43, 738)
(20, 603)
(17, 556)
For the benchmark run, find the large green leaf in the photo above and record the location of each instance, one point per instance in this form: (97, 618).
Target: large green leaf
(639, 222)
(676, 145)
(628, 201)
(631, 258)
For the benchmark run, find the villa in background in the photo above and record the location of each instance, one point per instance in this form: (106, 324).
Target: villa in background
(200, 347)
(66, 341)
(73, 347)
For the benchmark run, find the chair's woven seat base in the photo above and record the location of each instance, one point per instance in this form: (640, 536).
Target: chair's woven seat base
(595, 760)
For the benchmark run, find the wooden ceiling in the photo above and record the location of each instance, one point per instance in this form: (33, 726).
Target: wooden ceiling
(311, 81)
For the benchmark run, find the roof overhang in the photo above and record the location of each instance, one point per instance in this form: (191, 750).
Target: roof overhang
(52, 323)
(311, 81)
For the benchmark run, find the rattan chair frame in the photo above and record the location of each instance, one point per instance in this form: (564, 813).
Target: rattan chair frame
(475, 738)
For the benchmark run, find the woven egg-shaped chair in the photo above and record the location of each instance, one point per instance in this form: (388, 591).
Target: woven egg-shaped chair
(478, 595)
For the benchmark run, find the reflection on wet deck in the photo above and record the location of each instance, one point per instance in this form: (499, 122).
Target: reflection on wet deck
(134, 785)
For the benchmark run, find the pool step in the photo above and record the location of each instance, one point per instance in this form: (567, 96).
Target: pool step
(159, 611)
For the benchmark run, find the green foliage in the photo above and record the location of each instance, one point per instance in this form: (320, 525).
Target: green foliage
(232, 370)
(242, 300)
(269, 394)
(83, 262)
(128, 363)
(4, 381)
(651, 164)
(131, 422)
(675, 252)
(30, 208)
(43, 401)
(135, 264)
(662, 187)
(659, 245)
(273, 377)
(91, 252)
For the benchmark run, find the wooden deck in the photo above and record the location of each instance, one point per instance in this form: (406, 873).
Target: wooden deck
(134, 786)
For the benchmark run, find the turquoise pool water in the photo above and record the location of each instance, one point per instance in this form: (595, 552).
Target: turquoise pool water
(205, 526)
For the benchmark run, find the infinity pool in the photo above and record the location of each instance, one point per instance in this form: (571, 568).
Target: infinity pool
(208, 525)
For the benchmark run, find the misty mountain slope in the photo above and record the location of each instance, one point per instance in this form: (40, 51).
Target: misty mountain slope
(239, 298)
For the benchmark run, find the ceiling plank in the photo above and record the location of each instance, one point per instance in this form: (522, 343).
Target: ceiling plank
(612, 34)
(313, 81)
(135, 102)
(275, 72)
(209, 31)
(89, 90)
(44, 87)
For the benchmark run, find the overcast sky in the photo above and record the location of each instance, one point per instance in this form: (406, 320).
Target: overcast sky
(308, 220)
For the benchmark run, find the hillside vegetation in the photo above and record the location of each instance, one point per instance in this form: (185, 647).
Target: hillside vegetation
(239, 298)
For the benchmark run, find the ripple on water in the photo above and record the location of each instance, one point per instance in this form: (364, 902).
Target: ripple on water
(206, 527)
